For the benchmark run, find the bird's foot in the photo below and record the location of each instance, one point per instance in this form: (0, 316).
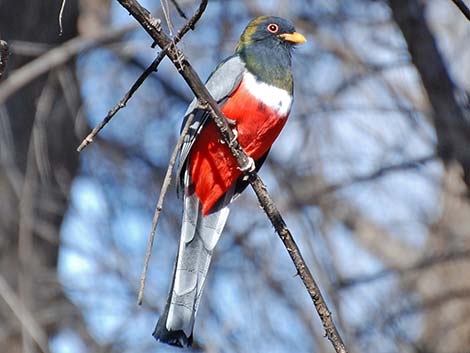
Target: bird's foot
(235, 137)
(249, 166)
(232, 141)
(231, 122)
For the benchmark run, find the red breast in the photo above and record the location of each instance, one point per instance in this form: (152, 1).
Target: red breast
(213, 168)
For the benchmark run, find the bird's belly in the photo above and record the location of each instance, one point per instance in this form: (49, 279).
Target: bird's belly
(213, 168)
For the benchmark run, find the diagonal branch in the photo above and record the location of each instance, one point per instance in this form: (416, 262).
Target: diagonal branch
(26, 318)
(3, 56)
(122, 103)
(179, 9)
(159, 208)
(153, 67)
(150, 24)
(463, 8)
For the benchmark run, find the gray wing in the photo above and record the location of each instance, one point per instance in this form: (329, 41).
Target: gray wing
(221, 84)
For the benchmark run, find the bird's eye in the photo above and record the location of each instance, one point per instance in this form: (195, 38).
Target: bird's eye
(273, 28)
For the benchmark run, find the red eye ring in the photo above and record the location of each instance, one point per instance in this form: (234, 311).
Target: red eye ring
(273, 28)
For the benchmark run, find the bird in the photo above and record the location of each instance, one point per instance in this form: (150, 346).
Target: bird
(254, 89)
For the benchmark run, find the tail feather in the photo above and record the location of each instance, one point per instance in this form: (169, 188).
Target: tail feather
(199, 235)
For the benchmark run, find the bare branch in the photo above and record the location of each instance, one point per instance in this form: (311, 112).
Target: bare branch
(122, 103)
(56, 57)
(179, 9)
(166, 182)
(27, 48)
(384, 170)
(433, 303)
(463, 8)
(192, 79)
(61, 15)
(158, 209)
(153, 67)
(166, 14)
(3, 56)
(25, 317)
(433, 260)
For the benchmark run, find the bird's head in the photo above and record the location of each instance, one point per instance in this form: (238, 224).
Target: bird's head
(270, 32)
(265, 46)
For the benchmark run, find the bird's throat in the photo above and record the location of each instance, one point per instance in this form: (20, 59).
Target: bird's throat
(271, 66)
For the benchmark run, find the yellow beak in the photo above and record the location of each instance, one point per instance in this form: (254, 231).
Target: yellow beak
(295, 37)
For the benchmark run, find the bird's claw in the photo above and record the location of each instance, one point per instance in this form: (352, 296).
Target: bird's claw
(235, 136)
(232, 141)
(249, 166)
(231, 122)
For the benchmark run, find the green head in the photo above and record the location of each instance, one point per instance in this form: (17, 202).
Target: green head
(266, 45)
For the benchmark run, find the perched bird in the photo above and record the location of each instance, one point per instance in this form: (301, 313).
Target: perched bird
(254, 89)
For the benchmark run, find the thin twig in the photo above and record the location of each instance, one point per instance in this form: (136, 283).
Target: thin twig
(179, 9)
(385, 170)
(3, 56)
(166, 13)
(194, 82)
(153, 67)
(122, 103)
(463, 8)
(158, 209)
(166, 182)
(61, 14)
(423, 264)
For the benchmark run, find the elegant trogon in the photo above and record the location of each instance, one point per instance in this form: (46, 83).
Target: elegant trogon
(254, 89)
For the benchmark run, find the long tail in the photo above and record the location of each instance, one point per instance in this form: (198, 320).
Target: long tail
(199, 235)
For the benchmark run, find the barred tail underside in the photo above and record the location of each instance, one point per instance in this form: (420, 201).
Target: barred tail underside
(199, 235)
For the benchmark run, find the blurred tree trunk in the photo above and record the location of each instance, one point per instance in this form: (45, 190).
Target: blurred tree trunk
(38, 164)
(447, 323)
(444, 290)
(452, 129)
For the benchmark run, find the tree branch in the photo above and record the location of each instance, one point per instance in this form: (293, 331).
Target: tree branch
(383, 171)
(159, 208)
(153, 67)
(54, 58)
(179, 9)
(26, 318)
(151, 25)
(61, 15)
(463, 8)
(425, 263)
(3, 57)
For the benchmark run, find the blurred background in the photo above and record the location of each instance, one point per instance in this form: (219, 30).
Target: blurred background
(369, 173)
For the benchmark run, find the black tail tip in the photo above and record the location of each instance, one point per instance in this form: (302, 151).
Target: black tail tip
(173, 338)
